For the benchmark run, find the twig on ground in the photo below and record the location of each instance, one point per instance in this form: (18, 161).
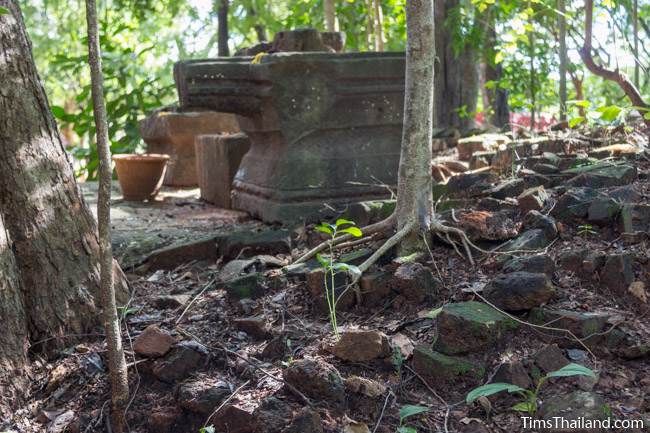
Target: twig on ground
(205, 288)
(383, 409)
(225, 402)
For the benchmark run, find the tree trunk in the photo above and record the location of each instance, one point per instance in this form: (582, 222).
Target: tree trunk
(563, 59)
(496, 97)
(533, 81)
(116, 362)
(379, 26)
(50, 229)
(330, 15)
(13, 338)
(222, 18)
(456, 76)
(414, 185)
(370, 26)
(635, 33)
(613, 75)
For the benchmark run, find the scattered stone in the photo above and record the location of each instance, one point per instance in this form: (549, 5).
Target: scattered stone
(602, 175)
(487, 225)
(415, 282)
(365, 396)
(576, 408)
(545, 168)
(247, 286)
(618, 272)
(153, 342)
(62, 422)
(185, 358)
(247, 244)
(469, 145)
(275, 349)
(361, 346)
(316, 379)
(402, 343)
(162, 420)
(575, 203)
(481, 159)
(532, 199)
(272, 415)
(537, 264)
(234, 418)
(172, 256)
(170, 301)
(530, 240)
(256, 327)
(465, 327)
(496, 205)
(306, 420)
(513, 372)
(367, 212)
(470, 184)
(637, 288)
(375, 288)
(635, 218)
(581, 324)
(201, 397)
(603, 211)
(316, 285)
(537, 220)
(624, 194)
(437, 367)
(508, 188)
(550, 358)
(519, 291)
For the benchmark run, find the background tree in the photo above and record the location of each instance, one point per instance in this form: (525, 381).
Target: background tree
(224, 35)
(49, 251)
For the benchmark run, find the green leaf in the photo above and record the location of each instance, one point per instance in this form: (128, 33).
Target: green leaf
(410, 410)
(434, 313)
(324, 228)
(576, 121)
(4, 11)
(344, 222)
(524, 406)
(58, 111)
(579, 103)
(572, 370)
(492, 388)
(405, 429)
(609, 113)
(209, 429)
(323, 261)
(354, 231)
(647, 116)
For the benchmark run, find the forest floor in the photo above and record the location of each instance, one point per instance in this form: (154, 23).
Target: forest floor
(221, 329)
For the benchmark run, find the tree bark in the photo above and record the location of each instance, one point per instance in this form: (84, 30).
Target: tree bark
(329, 11)
(116, 362)
(563, 59)
(414, 185)
(222, 19)
(379, 26)
(456, 75)
(635, 33)
(496, 97)
(50, 229)
(13, 338)
(616, 75)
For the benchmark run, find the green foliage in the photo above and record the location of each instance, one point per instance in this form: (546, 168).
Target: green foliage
(4, 11)
(332, 267)
(586, 230)
(529, 396)
(208, 429)
(398, 360)
(406, 412)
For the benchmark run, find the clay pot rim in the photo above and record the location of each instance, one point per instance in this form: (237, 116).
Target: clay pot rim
(141, 157)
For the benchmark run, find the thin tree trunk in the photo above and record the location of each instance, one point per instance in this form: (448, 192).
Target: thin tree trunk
(222, 18)
(635, 31)
(613, 75)
(370, 26)
(563, 59)
(495, 98)
(379, 26)
(531, 54)
(330, 15)
(116, 361)
(414, 199)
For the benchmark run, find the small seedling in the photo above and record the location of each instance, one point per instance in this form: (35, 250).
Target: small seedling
(331, 267)
(586, 229)
(208, 429)
(529, 396)
(398, 360)
(407, 411)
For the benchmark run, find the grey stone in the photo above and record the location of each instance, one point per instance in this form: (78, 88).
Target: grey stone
(251, 243)
(441, 369)
(528, 241)
(470, 184)
(513, 372)
(575, 407)
(508, 188)
(635, 218)
(618, 272)
(310, 143)
(532, 199)
(603, 211)
(602, 175)
(247, 286)
(519, 291)
(201, 397)
(537, 220)
(316, 379)
(539, 264)
(465, 327)
(184, 359)
(550, 358)
(574, 203)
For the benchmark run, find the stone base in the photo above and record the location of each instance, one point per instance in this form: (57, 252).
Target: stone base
(173, 134)
(217, 160)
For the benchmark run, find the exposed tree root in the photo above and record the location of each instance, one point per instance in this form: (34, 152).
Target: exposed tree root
(381, 226)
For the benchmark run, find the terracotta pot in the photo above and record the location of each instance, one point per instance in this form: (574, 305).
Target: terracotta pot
(140, 176)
